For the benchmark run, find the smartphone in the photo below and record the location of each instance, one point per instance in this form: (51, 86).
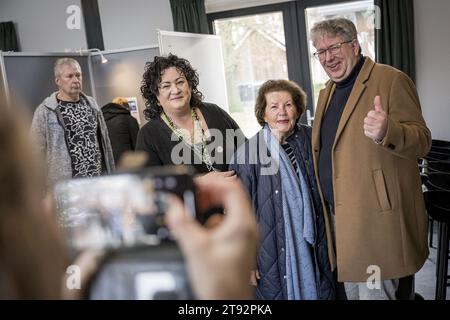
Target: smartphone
(121, 210)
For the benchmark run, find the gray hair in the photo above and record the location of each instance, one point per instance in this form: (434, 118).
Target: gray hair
(341, 27)
(63, 62)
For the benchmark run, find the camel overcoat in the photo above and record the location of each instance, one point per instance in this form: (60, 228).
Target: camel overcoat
(380, 218)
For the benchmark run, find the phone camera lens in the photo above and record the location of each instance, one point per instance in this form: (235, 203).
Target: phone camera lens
(170, 183)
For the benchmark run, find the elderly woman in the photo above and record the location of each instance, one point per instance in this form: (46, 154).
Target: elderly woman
(276, 168)
(181, 128)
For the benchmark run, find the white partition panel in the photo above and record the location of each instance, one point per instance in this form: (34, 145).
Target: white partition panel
(204, 52)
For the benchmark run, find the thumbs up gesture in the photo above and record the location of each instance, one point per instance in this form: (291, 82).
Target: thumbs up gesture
(375, 123)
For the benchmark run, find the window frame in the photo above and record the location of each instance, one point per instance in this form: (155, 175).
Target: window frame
(295, 32)
(296, 68)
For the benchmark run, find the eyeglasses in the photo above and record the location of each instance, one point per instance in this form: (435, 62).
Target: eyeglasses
(165, 86)
(334, 49)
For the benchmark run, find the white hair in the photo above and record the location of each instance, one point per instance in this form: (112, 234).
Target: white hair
(63, 62)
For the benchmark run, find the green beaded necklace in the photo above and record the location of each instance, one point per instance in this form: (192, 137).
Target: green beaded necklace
(200, 149)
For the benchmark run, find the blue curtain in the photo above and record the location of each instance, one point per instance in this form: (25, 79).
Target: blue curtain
(8, 38)
(394, 41)
(189, 16)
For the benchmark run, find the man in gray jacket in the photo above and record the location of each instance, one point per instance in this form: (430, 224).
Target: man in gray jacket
(69, 130)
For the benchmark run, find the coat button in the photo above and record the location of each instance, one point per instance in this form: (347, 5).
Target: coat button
(276, 191)
(284, 277)
(219, 149)
(282, 249)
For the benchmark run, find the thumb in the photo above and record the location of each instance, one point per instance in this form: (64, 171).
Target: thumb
(377, 104)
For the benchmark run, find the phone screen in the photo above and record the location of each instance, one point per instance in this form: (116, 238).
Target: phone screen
(120, 210)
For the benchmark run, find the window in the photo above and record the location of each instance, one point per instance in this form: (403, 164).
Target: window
(254, 49)
(272, 42)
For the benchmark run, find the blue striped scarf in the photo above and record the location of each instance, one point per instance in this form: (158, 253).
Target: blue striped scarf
(298, 224)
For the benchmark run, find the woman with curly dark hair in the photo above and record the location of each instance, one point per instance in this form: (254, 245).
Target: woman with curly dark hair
(181, 128)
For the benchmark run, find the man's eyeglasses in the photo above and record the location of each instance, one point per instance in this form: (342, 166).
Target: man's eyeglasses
(334, 49)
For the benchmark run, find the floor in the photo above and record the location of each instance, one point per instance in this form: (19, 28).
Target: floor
(426, 277)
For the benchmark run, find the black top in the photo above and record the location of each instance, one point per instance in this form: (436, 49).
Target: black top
(79, 123)
(122, 128)
(328, 129)
(226, 136)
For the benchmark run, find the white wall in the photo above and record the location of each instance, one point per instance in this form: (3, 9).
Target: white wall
(41, 24)
(133, 23)
(432, 28)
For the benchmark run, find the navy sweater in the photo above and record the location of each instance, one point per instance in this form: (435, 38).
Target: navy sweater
(329, 127)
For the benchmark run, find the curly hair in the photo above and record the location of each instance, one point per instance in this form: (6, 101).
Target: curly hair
(297, 94)
(152, 80)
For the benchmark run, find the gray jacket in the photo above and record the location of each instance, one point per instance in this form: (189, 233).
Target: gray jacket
(48, 136)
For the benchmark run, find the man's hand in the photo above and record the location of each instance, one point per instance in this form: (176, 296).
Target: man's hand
(375, 123)
(254, 277)
(219, 260)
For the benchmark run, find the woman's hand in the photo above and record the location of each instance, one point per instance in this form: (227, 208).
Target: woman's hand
(254, 277)
(227, 175)
(220, 259)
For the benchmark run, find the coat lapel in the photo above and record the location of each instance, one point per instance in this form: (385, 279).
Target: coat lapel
(320, 110)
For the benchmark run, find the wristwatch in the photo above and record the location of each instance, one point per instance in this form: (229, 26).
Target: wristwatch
(378, 141)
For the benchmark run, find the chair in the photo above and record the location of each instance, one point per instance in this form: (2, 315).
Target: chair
(438, 181)
(438, 166)
(438, 207)
(440, 146)
(424, 178)
(440, 143)
(440, 149)
(437, 156)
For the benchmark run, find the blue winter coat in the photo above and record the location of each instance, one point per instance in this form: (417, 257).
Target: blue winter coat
(265, 192)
